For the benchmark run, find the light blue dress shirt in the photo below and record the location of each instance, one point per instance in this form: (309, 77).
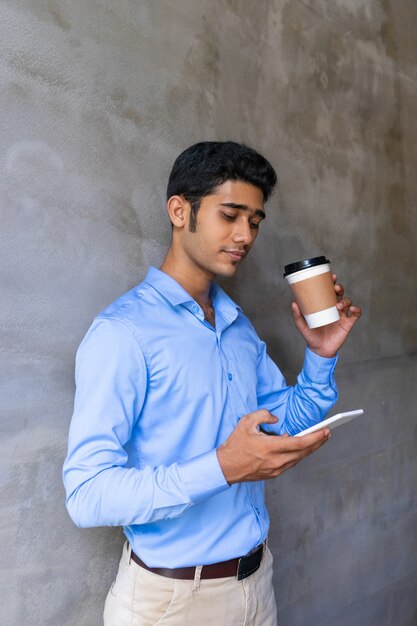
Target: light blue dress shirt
(158, 389)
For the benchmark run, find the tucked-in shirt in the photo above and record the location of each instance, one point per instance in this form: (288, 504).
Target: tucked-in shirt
(158, 389)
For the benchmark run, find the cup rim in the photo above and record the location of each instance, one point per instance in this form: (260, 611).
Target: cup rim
(305, 264)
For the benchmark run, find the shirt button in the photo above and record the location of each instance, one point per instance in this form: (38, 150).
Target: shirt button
(195, 308)
(229, 376)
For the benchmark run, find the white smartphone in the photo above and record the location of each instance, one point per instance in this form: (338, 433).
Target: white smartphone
(332, 422)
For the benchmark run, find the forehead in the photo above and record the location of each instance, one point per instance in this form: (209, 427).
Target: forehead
(238, 192)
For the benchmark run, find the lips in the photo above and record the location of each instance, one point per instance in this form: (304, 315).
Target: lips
(236, 255)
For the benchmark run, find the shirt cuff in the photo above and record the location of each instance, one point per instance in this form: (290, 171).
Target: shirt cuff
(318, 369)
(202, 476)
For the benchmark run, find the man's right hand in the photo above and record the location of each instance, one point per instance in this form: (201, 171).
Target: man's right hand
(248, 454)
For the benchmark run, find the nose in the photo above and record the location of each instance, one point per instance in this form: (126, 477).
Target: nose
(243, 232)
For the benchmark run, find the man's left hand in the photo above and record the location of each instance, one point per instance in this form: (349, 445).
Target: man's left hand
(327, 340)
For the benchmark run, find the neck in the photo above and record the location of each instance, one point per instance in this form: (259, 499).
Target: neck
(195, 280)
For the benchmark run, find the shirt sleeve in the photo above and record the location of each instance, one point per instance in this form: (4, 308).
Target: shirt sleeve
(111, 384)
(302, 405)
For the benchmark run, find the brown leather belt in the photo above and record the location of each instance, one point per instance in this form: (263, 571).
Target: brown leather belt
(241, 567)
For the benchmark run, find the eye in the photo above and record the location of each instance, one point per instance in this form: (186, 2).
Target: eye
(254, 225)
(228, 217)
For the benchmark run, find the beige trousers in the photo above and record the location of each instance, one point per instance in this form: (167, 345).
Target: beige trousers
(142, 598)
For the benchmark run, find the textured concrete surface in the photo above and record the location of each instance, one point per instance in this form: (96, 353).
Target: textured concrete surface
(97, 99)
(346, 519)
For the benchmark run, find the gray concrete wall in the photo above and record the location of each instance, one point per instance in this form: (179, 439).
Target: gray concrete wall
(97, 99)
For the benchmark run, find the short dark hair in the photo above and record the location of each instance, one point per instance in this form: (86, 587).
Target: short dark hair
(204, 166)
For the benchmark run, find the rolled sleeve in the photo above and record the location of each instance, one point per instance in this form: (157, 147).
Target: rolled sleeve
(319, 369)
(302, 405)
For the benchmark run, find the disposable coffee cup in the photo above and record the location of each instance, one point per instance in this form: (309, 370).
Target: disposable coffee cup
(312, 285)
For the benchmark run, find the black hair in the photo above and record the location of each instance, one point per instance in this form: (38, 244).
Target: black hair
(203, 167)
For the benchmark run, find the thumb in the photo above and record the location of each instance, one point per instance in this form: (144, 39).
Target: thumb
(299, 320)
(261, 417)
(296, 313)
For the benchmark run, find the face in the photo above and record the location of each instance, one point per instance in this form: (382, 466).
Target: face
(227, 225)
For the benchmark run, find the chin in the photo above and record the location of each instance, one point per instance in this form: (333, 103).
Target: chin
(227, 272)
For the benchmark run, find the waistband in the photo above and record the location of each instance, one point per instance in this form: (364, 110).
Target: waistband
(242, 567)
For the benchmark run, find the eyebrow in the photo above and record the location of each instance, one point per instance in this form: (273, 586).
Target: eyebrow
(243, 207)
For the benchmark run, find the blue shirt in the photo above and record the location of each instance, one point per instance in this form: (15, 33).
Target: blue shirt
(158, 389)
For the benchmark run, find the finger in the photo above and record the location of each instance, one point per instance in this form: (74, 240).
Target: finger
(299, 445)
(349, 310)
(289, 465)
(312, 447)
(295, 309)
(286, 466)
(348, 321)
(296, 455)
(344, 304)
(340, 290)
(353, 315)
(312, 439)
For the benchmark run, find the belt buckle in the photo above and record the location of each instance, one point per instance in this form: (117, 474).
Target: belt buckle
(249, 563)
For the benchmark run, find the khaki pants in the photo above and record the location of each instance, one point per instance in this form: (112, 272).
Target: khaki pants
(142, 598)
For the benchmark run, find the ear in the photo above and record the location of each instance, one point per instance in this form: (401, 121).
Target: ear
(178, 210)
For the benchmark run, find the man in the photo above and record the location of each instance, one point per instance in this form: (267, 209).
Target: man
(173, 385)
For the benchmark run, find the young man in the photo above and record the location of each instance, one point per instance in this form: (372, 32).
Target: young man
(173, 385)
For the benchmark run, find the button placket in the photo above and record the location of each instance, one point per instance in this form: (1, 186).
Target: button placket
(224, 360)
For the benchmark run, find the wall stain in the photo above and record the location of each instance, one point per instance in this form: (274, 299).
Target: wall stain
(24, 63)
(119, 97)
(57, 16)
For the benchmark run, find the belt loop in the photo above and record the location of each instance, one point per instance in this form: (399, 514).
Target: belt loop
(197, 578)
(129, 553)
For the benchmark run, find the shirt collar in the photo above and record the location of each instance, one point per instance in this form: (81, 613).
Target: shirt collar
(175, 294)
(224, 303)
(167, 286)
